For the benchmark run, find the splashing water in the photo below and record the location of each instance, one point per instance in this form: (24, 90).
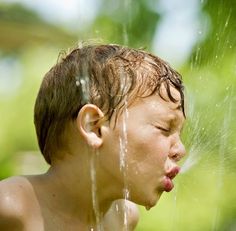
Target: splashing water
(221, 165)
(123, 155)
(212, 149)
(123, 140)
(83, 83)
(127, 4)
(198, 147)
(195, 149)
(190, 161)
(95, 204)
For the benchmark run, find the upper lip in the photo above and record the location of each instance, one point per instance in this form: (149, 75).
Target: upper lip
(173, 172)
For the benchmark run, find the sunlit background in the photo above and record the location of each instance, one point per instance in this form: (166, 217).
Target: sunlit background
(197, 37)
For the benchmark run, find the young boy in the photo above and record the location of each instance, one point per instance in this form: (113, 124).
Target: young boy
(108, 120)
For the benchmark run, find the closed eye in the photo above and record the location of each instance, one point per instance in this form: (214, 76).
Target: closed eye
(163, 129)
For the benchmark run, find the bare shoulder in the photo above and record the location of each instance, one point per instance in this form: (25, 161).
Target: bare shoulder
(13, 196)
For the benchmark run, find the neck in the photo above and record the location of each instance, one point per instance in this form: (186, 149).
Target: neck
(73, 190)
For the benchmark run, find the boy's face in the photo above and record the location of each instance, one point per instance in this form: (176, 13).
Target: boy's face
(153, 147)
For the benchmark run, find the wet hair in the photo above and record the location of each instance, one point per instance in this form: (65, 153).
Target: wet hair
(103, 75)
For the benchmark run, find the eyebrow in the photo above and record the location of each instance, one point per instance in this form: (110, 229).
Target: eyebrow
(179, 107)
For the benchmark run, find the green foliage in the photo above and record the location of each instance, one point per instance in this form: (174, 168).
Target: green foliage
(17, 12)
(126, 24)
(221, 32)
(21, 28)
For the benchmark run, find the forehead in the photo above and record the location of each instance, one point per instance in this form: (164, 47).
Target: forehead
(174, 92)
(160, 106)
(153, 107)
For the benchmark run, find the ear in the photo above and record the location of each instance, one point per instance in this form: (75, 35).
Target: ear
(89, 121)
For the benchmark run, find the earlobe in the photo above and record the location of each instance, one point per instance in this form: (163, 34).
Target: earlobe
(89, 122)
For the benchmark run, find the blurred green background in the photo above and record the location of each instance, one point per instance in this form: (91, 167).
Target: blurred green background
(197, 37)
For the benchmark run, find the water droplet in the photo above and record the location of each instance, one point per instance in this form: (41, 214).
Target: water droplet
(117, 208)
(80, 45)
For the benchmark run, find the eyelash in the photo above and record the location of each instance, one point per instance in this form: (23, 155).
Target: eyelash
(163, 129)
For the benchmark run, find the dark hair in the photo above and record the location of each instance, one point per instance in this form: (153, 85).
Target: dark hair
(100, 74)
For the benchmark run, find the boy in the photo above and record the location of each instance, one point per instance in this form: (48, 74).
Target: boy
(108, 120)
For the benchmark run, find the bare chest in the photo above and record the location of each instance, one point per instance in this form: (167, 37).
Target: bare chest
(50, 222)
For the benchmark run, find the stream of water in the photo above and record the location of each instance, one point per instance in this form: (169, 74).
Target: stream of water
(199, 146)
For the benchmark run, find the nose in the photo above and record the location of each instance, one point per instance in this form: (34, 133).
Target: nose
(177, 151)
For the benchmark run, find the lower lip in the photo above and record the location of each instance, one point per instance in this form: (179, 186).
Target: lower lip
(168, 184)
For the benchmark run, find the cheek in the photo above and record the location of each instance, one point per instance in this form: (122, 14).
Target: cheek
(147, 146)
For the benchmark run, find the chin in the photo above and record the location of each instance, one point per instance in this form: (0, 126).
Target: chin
(150, 200)
(155, 198)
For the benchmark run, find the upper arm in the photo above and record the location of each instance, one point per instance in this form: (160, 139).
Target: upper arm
(11, 217)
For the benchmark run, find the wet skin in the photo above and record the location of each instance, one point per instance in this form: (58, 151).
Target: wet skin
(61, 198)
(153, 149)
